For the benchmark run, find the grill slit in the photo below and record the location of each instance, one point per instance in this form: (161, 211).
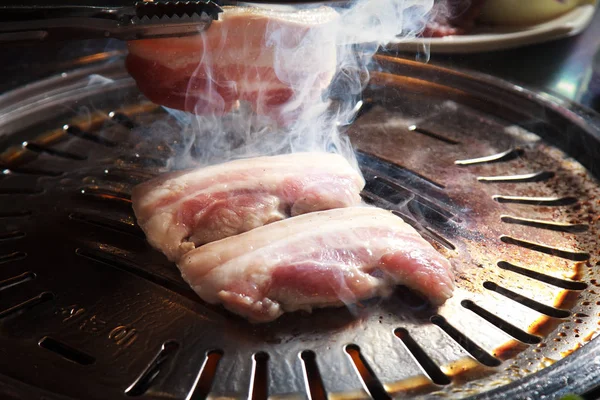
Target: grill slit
(9, 191)
(259, 388)
(122, 119)
(105, 194)
(12, 235)
(507, 155)
(429, 366)
(433, 135)
(536, 201)
(153, 369)
(16, 280)
(81, 134)
(525, 178)
(549, 225)
(471, 347)
(34, 301)
(501, 324)
(368, 378)
(65, 351)
(17, 255)
(126, 265)
(15, 214)
(315, 389)
(566, 254)
(527, 302)
(36, 148)
(204, 380)
(108, 223)
(562, 283)
(31, 171)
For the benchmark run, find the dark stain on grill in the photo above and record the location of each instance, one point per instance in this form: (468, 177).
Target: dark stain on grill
(566, 254)
(471, 347)
(366, 374)
(106, 194)
(312, 376)
(549, 225)
(501, 324)
(562, 283)
(65, 351)
(80, 133)
(124, 264)
(259, 384)
(525, 178)
(507, 155)
(431, 134)
(431, 368)
(21, 190)
(17, 255)
(122, 119)
(37, 148)
(104, 222)
(536, 201)
(15, 214)
(534, 305)
(11, 235)
(31, 171)
(16, 280)
(205, 378)
(159, 363)
(27, 304)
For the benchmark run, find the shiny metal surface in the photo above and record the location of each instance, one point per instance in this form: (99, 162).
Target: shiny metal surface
(88, 309)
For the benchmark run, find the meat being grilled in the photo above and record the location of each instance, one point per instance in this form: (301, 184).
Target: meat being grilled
(322, 259)
(257, 55)
(184, 209)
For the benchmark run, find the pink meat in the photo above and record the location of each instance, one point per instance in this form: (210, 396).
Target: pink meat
(322, 259)
(185, 209)
(248, 54)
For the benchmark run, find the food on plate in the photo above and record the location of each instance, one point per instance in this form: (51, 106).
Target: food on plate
(321, 259)
(459, 17)
(252, 54)
(184, 209)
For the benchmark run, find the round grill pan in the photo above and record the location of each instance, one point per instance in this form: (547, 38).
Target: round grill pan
(498, 178)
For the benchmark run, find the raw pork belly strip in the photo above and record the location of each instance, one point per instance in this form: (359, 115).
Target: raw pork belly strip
(322, 259)
(237, 59)
(185, 209)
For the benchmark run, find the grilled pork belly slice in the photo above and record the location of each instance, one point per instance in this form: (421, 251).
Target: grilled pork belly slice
(322, 259)
(184, 209)
(258, 55)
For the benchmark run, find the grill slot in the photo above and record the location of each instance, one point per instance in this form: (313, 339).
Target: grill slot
(205, 378)
(80, 133)
(525, 178)
(539, 307)
(368, 378)
(17, 255)
(431, 368)
(507, 155)
(158, 364)
(565, 284)
(14, 235)
(550, 225)
(566, 254)
(65, 351)
(28, 191)
(434, 135)
(312, 376)
(259, 386)
(105, 194)
(28, 304)
(16, 280)
(500, 323)
(15, 214)
(30, 171)
(109, 223)
(471, 347)
(36, 148)
(122, 119)
(536, 201)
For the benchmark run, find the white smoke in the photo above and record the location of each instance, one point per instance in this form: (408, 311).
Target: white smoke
(325, 69)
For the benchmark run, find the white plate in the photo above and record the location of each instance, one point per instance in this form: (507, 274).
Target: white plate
(500, 38)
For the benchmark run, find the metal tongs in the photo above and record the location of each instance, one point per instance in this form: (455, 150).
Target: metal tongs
(67, 20)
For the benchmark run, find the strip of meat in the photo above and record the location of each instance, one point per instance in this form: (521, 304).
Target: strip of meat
(321, 259)
(253, 54)
(185, 209)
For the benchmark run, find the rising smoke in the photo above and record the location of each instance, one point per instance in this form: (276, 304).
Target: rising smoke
(323, 69)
